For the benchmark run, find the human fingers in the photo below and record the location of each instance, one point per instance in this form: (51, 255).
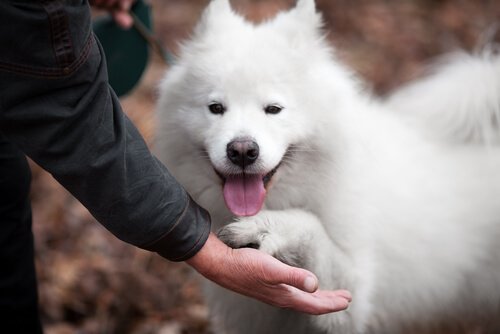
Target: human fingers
(317, 303)
(276, 272)
(123, 19)
(258, 275)
(294, 288)
(119, 10)
(120, 13)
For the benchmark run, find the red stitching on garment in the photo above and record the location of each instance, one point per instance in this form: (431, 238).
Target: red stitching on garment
(51, 73)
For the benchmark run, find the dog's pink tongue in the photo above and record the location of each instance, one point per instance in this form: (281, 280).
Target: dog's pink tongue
(244, 194)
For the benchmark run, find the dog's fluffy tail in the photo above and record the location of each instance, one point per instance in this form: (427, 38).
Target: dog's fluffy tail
(459, 101)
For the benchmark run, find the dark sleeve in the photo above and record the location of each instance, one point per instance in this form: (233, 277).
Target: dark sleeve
(57, 107)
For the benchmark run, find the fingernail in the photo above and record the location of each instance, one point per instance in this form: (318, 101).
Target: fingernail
(346, 294)
(310, 284)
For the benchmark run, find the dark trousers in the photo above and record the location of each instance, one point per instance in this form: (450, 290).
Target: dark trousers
(18, 292)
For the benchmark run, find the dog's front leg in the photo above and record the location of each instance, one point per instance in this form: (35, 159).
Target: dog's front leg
(298, 238)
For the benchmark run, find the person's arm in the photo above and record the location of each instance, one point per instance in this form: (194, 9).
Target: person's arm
(260, 276)
(58, 108)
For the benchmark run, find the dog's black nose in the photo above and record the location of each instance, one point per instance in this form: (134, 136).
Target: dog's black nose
(242, 152)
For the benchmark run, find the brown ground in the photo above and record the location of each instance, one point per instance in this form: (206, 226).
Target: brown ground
(92, 283)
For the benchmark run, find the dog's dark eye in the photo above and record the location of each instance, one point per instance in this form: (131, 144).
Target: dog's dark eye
(273, 109)
(216, 108)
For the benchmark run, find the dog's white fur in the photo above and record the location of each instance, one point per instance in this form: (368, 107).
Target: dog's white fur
(397, 200)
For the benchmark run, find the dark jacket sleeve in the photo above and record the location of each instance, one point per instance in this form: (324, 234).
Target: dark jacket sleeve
(57, 107)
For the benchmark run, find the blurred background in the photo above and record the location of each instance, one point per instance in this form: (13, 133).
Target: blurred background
(90, 282)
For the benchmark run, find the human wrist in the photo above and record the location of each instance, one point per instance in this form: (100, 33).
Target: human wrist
(206, 260)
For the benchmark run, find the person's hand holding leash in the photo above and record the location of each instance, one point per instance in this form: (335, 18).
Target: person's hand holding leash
(260, 276)
(119, 9)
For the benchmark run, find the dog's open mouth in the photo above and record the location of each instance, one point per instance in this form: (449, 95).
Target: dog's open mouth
(244, 193)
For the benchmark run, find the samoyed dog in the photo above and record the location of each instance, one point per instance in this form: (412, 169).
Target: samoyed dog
(396, 200)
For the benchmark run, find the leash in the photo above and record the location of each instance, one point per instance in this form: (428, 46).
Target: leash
(152, 40)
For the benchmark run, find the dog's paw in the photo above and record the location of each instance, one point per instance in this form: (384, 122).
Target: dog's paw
(277, 233)
(246, 232)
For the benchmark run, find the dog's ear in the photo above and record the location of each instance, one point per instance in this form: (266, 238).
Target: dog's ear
(219, 6)
(217, 14)
(301, 23)
(305, 9)
(305, 12)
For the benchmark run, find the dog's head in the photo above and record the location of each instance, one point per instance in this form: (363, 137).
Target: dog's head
(242, 94)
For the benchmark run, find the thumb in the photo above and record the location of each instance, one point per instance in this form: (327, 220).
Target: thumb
(299, 278)
(303, 280)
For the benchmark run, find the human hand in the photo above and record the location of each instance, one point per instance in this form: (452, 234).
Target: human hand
(119, 10)
(260, 276)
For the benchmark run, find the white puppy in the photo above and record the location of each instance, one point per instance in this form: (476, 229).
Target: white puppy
(397, 201)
